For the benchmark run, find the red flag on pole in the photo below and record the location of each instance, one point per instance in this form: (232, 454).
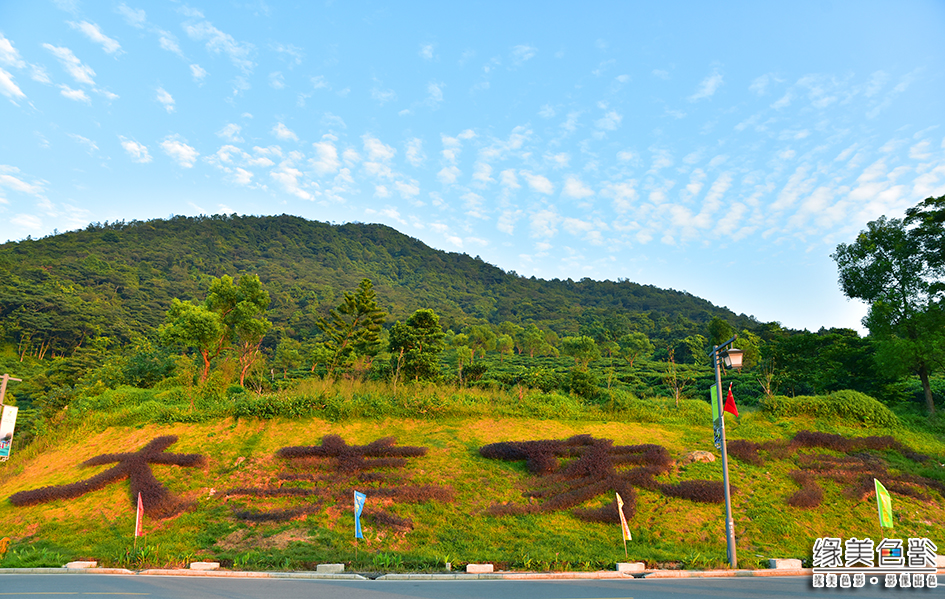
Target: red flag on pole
(730, 402)
(138, 528)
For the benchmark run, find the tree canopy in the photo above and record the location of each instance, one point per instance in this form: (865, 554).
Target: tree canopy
(897, 270)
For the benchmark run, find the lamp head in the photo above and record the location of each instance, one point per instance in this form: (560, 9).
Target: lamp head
(733, 358)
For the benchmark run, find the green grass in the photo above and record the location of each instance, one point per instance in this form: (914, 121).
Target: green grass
(452, 423)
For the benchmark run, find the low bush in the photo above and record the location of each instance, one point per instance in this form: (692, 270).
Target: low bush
(848, 406)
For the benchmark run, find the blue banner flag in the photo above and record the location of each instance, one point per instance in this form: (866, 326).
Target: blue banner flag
(359, 499)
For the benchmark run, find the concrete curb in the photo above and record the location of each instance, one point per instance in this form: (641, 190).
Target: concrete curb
(605, 574)
(725, 573)
(241, 574)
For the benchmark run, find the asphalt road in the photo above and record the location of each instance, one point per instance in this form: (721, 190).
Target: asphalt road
(83, 586)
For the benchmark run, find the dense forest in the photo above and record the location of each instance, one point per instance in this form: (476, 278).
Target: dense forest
(258, 302)
(118, 280)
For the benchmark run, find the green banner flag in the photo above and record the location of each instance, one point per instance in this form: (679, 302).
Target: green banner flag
(884, 505)
(716, 403)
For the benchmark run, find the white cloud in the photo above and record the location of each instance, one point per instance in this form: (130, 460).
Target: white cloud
(380, 95)
(276, 80)
(134, 17)
(544, 223)
(407, 190)
(283, 132)
(288, 177)
(179, 151)
(610, 121)
(664, 75)
(92, 31)
(624, 195)
(760, 85)
(326, 156)
(197, 72)
(218, 42)
(708, 87)
(82, 73)
(138, 152)
(84, 141)
(294, 53)
(434, 94)
(414, 153)
(522, 53)
(230, 132)
(38, 73)
(575, 188)
(547, 111)
(9, 55)
(559, 160)
(8, 87)
(168, 41)
(426, 51)
(482, 173)
(9, 181)
(377, 150)
(165, 98)
(28, 222)
(74, 94)
(783, 102)
(538, 183)
(508, 179)
(448, 175)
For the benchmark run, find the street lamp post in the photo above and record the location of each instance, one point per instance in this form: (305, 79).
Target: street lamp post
(733, 359)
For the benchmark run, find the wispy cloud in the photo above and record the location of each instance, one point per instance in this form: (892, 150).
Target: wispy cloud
(414, 153)
(576, 189)
(76, 95)
(165, 98)
(426, 51)
(137, 151)
(178, 150)
(134, 17)
(523, 53)
(92, 31)
(284, 133)
(82, 73)
(197, 73)
(538, 183)
(9, 55)
(707, 88)
(9, 88)
(434, 94)
(231, 132)
(240, 53)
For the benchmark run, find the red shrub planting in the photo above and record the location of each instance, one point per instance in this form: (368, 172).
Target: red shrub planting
(158, 502)
(345, 468)
(599, 468)
(703, 491)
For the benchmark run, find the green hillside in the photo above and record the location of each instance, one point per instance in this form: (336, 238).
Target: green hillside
(119, 279)
(265, 481)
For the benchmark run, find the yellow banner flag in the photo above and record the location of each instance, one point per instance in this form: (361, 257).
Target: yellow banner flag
(623, 520)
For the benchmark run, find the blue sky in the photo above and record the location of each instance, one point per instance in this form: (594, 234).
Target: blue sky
(723, 149)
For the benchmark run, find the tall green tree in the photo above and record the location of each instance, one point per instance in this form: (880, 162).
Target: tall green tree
(242, 308)
(232, 313)
(353, 328)
(635, 345)
(582, 348)
(894, 270)
(417, 344)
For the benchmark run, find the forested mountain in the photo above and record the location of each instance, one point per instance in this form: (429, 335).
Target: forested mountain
(117, 280)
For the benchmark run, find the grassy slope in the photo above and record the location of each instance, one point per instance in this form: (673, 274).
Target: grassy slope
(99, 524)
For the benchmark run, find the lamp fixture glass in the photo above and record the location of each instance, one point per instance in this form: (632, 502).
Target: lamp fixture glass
(733, 358)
